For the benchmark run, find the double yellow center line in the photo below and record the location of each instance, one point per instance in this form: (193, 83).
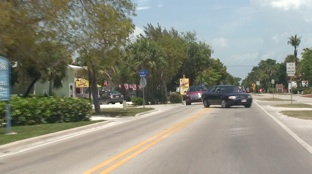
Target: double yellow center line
(121, 158)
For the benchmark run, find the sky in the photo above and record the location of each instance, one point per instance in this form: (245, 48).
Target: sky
(241, 33)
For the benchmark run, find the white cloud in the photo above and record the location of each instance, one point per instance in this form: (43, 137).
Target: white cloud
(219, 43)
(237, 60)
(147, 4)
(285, 4)
(279, 37)
(143, 5)
(137, 31)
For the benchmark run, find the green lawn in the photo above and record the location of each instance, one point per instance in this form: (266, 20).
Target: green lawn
(24, 132)
(273, 99)
(294, 105)
(303, 114)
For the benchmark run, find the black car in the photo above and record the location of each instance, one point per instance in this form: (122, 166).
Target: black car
(226, 96)
(111, 97)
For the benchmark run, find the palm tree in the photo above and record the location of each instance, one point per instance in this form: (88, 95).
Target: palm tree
(295, 42)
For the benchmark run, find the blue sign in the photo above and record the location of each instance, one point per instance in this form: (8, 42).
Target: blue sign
(4, 79)
(143, 73)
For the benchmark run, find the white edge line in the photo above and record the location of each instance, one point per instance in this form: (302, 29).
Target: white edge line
(290, 132)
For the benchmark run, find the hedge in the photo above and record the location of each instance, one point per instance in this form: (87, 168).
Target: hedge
(38, 110)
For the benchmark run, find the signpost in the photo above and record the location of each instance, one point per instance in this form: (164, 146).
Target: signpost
(290, 70)
(273, 82)
(5, 89)
(143, 82)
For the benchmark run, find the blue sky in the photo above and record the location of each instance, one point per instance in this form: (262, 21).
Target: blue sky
(240, 32)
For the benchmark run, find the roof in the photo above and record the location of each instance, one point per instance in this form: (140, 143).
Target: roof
(75, 67)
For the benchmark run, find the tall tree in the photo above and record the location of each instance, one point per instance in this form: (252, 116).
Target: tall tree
(98, 29)
(306, 65)
(26, 26)
(295, 42)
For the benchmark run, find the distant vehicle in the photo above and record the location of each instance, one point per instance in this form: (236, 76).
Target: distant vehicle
(111, 97)
(226, 96)
(194, 94)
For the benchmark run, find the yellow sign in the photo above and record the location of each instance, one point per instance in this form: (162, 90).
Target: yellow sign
(184, 85)
(253, 87)
(83, 83)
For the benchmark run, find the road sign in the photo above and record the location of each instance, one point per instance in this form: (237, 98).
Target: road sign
(290, 68)
(272, 81)
(143, 82)
(143, 73)
(4, 79)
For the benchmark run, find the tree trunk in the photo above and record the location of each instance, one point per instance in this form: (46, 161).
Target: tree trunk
(51, 86)
(94, 92)
(164, 87)
(31, 85)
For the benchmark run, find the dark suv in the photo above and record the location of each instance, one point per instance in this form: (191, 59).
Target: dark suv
(111, 97)
(194, 94)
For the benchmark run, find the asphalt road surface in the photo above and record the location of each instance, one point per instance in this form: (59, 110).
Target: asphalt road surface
(181, 139)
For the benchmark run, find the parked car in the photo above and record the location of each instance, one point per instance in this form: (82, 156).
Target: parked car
(111, 97)
(226, 96)
(194, 94)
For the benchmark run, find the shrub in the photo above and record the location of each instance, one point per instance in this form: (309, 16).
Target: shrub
(175, 98)
(137, 100)
(307, 91)
(38, 110)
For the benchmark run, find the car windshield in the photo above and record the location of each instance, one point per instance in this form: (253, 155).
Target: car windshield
(229, 89)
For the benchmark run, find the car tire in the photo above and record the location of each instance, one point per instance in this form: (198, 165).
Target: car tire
(187, 103)
(121, 102)
(206, 103)
(224, 104)
(248, 106)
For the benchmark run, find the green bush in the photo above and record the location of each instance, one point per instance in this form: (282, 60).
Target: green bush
(296, 90)
(307, 90)
(38, 110)
(175, 98)
(137, 100)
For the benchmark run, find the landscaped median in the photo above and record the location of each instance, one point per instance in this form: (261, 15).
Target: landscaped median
(298, 110)
(295, 109)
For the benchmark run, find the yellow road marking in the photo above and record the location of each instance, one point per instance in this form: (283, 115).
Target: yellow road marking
(143, 146)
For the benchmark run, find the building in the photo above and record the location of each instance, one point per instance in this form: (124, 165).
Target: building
(69, 84)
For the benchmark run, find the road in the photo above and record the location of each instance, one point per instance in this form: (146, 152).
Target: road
(178, 139)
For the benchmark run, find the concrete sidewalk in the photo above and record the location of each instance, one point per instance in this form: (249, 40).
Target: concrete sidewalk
(299, 129)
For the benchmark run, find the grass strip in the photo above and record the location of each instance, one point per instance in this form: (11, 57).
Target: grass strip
(117, 112)
(294, 105)
(303, 114)
(29, 131)
(273, 99)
